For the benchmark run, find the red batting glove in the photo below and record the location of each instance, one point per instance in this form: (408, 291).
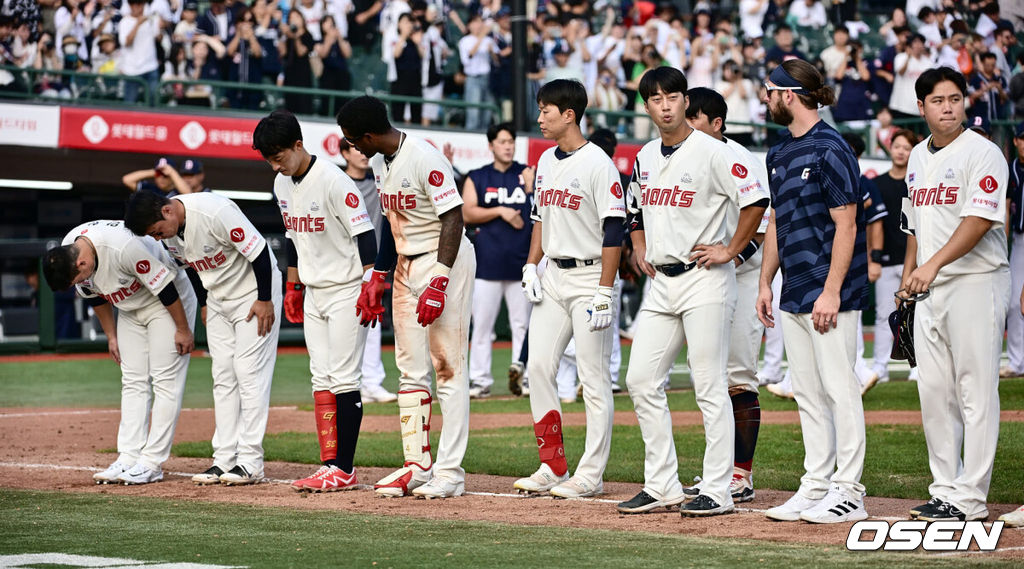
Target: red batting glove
(293, 311)
(369, 307)
(432, 301)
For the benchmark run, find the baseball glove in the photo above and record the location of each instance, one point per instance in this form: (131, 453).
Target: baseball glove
(901, 321)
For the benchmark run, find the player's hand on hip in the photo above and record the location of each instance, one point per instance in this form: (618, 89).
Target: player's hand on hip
(764, 307)
(263, 310)
(920, 279)
(513, 217)
(825, 314)
(431, 303)
(112, 348)
(369, 305)
(531, 284)
(184, 341)
(600, 311)
(707, 255)
(293, 298)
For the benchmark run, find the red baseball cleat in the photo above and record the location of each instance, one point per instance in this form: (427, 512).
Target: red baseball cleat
(327, 479)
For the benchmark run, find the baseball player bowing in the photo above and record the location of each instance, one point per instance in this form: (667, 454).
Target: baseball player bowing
(817, 235)
(243, 285)
(330, 243)
(683, 187)
(956, 249)
(578, 223)
(432, 295)
(151, 340)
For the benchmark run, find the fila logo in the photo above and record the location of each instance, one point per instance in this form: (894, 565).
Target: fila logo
(739, 171)
(988, 184)
(504, 196)
(237, 234)
(142, 267)
(436, 178)
(351, 200)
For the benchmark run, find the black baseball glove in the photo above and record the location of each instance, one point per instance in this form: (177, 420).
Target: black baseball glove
(901, 321)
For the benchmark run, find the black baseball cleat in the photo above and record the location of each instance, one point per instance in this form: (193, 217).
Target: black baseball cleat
(644, 502)
(703, 506)
(515, 378)
(691, 491)
(926, 508)
(943, 512)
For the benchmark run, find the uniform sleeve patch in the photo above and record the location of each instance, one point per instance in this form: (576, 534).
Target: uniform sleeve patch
(988, 184)
(436, 178)
(739, 171)
(617, 190)
(237, 235)
(985, 203)
(142, 267)
(352, 200)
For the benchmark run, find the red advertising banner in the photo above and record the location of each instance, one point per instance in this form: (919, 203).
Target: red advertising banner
(157, 133)
(625, 154)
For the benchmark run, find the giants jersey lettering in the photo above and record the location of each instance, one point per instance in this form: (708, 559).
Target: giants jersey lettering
(220, 243)
(692, 196)
(322, 215)
(572, 197)
(415, 189)
(967, 177)
(759, 172)
(130, 271)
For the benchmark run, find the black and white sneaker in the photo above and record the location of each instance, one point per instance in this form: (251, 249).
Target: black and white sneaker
(210, 476)
(944, 511)
(926, 508)
(644, 502)
(703, 506)
(240, 476)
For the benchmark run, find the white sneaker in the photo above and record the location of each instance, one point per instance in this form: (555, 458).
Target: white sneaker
(240, 476)
(541, 481)
(209, 476)
(778, 391)
(109, 476)
(376, 394)
(872, 380)
(577, 487)
(791, 510)
(914, 374)
(479, 392)
(741, 486)
(838, 506)
(440, 488)
(402, 481)
(1014, 519)
(141, 474)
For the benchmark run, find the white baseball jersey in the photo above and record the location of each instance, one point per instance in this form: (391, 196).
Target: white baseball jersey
(220, 243)
(967, 177)
(322, 215)
(125, 265)
(415, 189)
(572, 197)
(686, 197)
(760, 172)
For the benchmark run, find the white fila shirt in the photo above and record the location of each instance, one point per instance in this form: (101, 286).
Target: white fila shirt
(322, 215)
(130, 270)
(572, 198)
(686, 197)
(760, 172)
(415, 189)
(220, 243)
(965, 178)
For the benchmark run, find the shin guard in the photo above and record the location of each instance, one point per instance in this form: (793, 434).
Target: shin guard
(414, 413)
(325, 408)
(746, 411)
(549, 442)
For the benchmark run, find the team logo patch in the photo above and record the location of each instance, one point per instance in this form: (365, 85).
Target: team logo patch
(142, 267)
(351, 200)
(686, 179)
(988, 184)
(436, 178)
(739, 171)
(910, 178)
(237, 235)
(949, 174)
(313, 206)
(805, 174)
(574, 184)
(617, 190)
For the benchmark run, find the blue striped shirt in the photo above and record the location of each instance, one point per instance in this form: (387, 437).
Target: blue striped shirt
(808, 176)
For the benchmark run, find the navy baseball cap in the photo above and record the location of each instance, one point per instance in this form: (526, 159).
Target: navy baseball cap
(1018, 131)
(560, 48)
(164, 161)
(980, 123)
(191, 166)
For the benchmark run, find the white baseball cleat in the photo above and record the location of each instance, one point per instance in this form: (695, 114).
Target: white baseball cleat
(1014, 519)
(741, 486)
(838, 506)
(209, 476)
(240, 476)
(109, 476)
(376, 394)
(141, 474)
(791, 510)
(577, 487)
(539, 482)
(402, 481)
(440, 488)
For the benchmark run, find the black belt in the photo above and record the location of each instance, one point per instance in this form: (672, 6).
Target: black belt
(676, 269)
(573, 263)
(416, 256)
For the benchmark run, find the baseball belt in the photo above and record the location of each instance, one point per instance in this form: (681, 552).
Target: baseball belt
(676, 269)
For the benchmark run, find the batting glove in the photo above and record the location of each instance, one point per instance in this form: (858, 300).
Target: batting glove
(293, 303)
(369, 307)
(599, 312)
(531, 284)
(432, 300)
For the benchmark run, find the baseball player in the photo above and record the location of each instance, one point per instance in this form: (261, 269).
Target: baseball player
(1015, 519)
(1014, 320)
(357, 167)
(163, 179)
(817, 235)
(578, 224)
(330, 243)
(706, 112)
(683, 186)
(497, 200)
(210, 234)
(193, 175)
(956, 252)
(423, 233)
(151, 341)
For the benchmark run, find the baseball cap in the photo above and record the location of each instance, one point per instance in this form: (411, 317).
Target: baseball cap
(1018, 131)
(194, 6)
(191, 166)
(980, 123)
(163, 161)
(504, 11)
(105, 37)
(560, 48)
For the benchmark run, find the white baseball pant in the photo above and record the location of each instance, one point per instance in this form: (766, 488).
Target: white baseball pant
(334, 337)
(243, 369)
(1014, 319)
(958, 336)
(440, 348)
(487, 297)
(885, 287)
(701, 302)
(828, 397)
(771, 369)
(567, 370)
(745, 333)
(150, 361)
(373, 365)
(561, 315)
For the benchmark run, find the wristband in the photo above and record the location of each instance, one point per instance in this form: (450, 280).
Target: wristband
(441, 270)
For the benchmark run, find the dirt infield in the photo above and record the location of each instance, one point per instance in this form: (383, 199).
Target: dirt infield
(52, 449)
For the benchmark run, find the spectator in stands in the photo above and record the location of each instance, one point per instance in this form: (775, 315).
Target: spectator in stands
(22, 49)
(246, 55)
(217, 21)
(702, 26)
(562, 68)
(835, 56)
(105, 55)
(752, 17)
(335, 51)
(49, 58)
(74, 18)
(501, 72)
(294, 49)
(268, 33)
(137, 33)
(188, 26)
(1016, 90)
(363, 22)
(312, 12)
(408, 54)
(650, 59)
(176, 67)
(908, 66)
(205, 67)
(393, 9)
(783, 50)
(739, 94)
(854, 80)
(607, 97)
(437, 54)
(890, 29)
(752, 64)
(807, 14)
(987, 90)
(930, 28)
(104, 20)
(988, 22)
(703, 63)
(475, 52)
(885, 72)
(1004, 39)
